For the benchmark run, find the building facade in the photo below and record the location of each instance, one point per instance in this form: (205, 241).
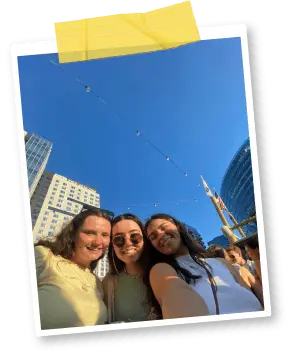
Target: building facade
(237, 189)
(37, 151)
(195, 234)
(220, 240)
(55, 201)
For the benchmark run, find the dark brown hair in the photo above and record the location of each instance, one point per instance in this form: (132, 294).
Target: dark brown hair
(216, 251)
(235, 248)
(117, 266)
(196, 251)
(63, 244)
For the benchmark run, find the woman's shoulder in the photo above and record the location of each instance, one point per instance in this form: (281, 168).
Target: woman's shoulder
(42, 252)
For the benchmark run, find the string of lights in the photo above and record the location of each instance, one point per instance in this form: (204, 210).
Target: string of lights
(138, 132)
(155, 204)
(88, 89)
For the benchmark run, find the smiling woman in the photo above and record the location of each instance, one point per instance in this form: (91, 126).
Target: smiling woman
(127, 297)
(69, 293)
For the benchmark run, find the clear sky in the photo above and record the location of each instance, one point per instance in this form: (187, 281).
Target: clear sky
(188, 101)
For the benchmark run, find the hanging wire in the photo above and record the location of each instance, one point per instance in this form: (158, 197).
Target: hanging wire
(138, 132)
(155, 204)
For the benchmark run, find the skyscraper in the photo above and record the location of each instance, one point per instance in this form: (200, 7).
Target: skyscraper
(237, 189)
(195, 234)
(56, 200)
(37, 151)
(220, 240)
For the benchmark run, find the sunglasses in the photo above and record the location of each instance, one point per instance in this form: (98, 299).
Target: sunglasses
(135, 238)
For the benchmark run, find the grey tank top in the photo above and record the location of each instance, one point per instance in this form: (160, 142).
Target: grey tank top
(131, 303)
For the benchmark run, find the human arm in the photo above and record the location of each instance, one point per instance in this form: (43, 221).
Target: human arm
(255, 286)
(176, 298)
(257, 266)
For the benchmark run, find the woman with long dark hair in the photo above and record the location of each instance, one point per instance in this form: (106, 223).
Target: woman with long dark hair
(180, 261)
(69, 293)
(127, 297)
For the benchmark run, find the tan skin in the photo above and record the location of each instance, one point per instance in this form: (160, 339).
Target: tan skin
(92, 240)
(130, 252)
(254, 255)
(168, 288)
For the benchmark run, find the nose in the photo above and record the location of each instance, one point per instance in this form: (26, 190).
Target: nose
(128, 242)
(98, 239)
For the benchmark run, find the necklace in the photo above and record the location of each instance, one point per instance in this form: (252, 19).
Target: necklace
(132, 276)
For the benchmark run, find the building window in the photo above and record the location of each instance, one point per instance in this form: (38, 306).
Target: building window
(71, 195)
(50, 234)
(43, 225)
(41, 231)
(72, 191)
(57, 181)
(46, 213)
(50, 202)
(58, 205)
(61, 196)
(76, 210)
(56, 215)
(54, 189)
(68, 208)
(69, 204)
(60, 200)
(62, 191)
(78, 197)
(52, 226)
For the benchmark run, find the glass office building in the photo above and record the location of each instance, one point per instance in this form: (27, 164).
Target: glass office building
(37, 151)
(195, 234)
(237, 189)
(220, 240)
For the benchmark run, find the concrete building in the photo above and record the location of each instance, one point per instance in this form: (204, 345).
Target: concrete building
(56, 200)
(37, 151)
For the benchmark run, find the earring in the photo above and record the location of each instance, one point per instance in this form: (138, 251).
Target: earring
(113, 257)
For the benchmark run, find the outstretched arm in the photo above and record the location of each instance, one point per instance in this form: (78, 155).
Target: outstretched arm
(176, 298)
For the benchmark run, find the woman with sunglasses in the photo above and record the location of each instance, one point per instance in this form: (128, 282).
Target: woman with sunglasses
(127, 298)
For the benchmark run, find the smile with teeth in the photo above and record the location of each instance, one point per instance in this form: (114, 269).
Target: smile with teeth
(130, 250)
(93, 248)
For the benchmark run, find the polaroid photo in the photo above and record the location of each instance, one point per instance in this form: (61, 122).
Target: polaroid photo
(141, 185)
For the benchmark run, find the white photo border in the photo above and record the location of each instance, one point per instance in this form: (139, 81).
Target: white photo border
(206, 33)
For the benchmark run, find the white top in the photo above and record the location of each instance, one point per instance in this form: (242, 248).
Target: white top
(232, 297)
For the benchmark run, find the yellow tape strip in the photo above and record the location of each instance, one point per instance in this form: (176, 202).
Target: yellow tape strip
(119, 35)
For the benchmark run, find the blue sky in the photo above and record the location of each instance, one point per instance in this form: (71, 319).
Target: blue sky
(188, 101)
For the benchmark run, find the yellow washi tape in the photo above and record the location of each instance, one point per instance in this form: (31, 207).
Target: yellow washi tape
(119, 35)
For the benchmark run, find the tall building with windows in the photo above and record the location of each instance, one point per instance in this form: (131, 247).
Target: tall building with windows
(56, 200)
(37, 151)
(220, 240)
(195, 234)
(237, 189)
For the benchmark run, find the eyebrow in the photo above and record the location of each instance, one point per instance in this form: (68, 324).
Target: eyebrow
(157, 228)
(131, 231)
